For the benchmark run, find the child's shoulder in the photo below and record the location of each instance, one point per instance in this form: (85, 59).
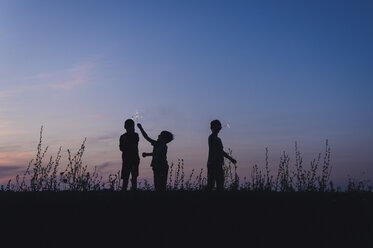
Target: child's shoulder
(132, 135)
(129, 135)
(213, 137)
(163, 147)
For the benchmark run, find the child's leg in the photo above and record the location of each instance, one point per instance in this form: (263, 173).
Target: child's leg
(125, 176)
(220, 178)
(163, 178)
(134, 183)
(210, 177)
(134, 175)
(155, 176)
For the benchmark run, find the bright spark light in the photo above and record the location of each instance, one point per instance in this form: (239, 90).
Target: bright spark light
(137, 116)
(227, 125)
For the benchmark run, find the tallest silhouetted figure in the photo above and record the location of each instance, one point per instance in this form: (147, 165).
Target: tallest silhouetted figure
(215, 162)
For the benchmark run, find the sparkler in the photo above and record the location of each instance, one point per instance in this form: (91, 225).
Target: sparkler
(137, 116)
(227, 126)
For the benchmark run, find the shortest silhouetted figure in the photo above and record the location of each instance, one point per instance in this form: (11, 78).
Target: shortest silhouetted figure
(128, 144)
(215, 162)
(159, 162)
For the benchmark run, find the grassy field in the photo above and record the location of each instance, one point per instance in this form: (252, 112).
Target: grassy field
(187, 219)
(292, 205)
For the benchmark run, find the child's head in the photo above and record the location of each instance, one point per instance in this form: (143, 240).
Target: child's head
(129, 125)
(165, 136)
(215, 126)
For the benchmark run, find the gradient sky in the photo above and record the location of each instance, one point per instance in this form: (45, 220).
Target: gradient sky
(276, 71)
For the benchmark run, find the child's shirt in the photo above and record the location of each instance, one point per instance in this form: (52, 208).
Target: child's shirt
(216, 154)
(159, 160)
(128, 144)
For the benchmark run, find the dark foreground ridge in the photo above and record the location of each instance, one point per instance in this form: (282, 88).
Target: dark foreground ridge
(186, 219)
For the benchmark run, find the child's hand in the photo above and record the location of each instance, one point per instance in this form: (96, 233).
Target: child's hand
(144, 153)
(139, 126)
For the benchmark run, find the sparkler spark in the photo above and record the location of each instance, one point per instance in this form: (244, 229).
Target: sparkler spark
(226, 126)
(137, 116)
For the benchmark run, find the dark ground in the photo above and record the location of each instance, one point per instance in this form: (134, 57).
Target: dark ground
(186, 219)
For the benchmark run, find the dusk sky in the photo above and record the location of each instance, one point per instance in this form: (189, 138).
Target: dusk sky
(276, 71)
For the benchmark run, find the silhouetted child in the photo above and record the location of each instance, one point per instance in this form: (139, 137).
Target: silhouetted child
(215, 162)
(159, 154)
(128, 144)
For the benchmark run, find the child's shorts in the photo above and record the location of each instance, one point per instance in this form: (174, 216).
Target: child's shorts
(128, 169)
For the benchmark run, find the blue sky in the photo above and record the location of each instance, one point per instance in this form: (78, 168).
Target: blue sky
(276, 71)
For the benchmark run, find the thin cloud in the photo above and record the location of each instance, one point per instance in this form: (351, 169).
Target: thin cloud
(76, 76)
(7, 127)
(9, 148)
(102, 138)
(20, 89)
(104, 165)
(63, 80)
(10, 170)
(107, 137)
(15, 157)
(107, 167)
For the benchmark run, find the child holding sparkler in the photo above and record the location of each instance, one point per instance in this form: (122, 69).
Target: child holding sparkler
(159, 154)
(215, 162)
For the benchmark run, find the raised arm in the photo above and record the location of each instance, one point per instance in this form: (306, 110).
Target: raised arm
(145, 134)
